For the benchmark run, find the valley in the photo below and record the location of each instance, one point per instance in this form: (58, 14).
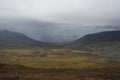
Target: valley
(59, 39)
(56, 64)
(23, 58)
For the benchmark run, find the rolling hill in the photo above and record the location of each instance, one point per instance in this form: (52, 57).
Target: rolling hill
(13, 39)
(102, 42)
(107, 36)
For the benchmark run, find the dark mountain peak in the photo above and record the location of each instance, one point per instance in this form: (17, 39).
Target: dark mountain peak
(106, 36)
(8, 37)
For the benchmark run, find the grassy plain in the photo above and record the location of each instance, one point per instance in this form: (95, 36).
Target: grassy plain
(56, 64)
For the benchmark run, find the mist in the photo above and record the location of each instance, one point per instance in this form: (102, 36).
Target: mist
(59, 20)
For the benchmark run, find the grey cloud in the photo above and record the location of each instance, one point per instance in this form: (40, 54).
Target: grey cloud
(59, 20)
(46, 31)
(109, 27)
(43, 31)
(75, 11)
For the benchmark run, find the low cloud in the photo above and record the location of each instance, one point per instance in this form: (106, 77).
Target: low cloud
(59, 20)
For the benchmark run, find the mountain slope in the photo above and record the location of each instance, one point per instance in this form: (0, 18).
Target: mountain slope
(8, 38)
(107, 42)
(107, 36)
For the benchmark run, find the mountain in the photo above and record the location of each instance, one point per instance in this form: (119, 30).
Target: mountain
(107, 36)
(107, 41)
(9, 38)
(42, 30)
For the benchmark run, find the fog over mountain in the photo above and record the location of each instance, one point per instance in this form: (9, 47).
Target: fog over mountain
(59, 20)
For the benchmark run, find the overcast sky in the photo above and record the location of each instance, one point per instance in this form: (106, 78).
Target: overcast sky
(59, 20)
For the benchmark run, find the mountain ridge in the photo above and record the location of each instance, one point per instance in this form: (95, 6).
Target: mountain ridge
(105, 36)
(9, 38)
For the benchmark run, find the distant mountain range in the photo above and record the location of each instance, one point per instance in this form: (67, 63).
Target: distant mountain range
(101, 39)
(107, 36)
(9, 38)
(102, 42)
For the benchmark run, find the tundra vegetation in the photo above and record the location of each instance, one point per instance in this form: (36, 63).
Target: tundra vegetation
(56, 64)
